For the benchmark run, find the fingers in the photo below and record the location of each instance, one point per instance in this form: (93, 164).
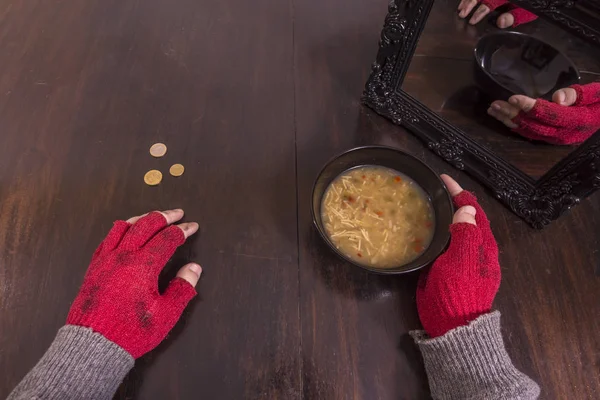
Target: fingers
(170, 215)
(146, 226)
(164, 244)
(467, 203)
(466, 198)
(465, 7)
(460, 231)
(505, 20)
(465, 215)
(479, 14)
(135, 219)
(548, 113)
(174, 300)
(113, 238)
(188, 228)
(521, 16)
(536, 129)
(190, 273)
(565, 97)
(504, 112)
(453, 187)
(524, 103)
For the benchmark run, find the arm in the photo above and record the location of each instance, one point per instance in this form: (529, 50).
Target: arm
(471, 362)
(80, 364)
(118, 315)
(462, 344)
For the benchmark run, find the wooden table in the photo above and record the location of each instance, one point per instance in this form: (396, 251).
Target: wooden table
(252, 97)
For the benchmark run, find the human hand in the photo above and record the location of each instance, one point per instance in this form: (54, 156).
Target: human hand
(119, 297)
(462, 283)
(514, 17)
(571, 117)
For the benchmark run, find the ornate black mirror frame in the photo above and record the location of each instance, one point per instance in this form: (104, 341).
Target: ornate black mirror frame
(539, 201)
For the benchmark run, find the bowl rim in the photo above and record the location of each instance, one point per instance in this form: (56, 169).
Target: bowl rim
(508, 33)
(380, 271)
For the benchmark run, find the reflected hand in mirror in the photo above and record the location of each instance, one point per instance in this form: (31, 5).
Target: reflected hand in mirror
(571, 117)
(513, 17)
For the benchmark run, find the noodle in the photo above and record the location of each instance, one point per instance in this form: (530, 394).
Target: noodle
(378, 217)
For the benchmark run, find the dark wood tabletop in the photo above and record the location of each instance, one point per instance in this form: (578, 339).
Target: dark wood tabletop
(252, 97)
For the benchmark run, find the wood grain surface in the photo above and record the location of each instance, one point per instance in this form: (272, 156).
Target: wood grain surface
(252, 98)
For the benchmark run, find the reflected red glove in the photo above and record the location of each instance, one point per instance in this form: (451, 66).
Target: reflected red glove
(520, 15)
(462, 283)
(119, 297)
(559, 124)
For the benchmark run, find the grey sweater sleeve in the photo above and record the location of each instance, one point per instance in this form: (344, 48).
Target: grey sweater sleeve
(471, 362)
(80, 364)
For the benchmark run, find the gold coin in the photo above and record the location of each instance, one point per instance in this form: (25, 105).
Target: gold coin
(158, 150)
(176, 169)
(153, 177)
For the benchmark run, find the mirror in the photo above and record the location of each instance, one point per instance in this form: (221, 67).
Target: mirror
(444, 79)
(442, 76)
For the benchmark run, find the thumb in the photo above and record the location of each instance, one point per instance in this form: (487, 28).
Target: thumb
(565, 97)
(465, 215)
(525, 103)
(191, 273)
(181, 290)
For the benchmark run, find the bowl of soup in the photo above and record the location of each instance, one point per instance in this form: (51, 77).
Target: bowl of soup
(382, 209)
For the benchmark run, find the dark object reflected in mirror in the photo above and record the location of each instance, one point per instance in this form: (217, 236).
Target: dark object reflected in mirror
(509, 63)
(423, 79)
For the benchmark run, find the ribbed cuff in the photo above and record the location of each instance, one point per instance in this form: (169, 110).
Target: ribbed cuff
(80, 364)
(471, 362)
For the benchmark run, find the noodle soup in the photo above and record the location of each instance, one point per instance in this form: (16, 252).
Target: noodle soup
(377, 216)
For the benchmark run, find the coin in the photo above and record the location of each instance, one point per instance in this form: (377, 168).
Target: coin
(153, 177)
(158, 150)
(176, 169)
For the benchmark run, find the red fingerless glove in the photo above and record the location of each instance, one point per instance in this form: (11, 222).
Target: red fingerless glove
(119, 297)
(558, 124)
(462, 283)
(520, 15)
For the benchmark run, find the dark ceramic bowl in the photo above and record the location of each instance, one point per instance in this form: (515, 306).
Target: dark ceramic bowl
(401, 162)
(508, 63)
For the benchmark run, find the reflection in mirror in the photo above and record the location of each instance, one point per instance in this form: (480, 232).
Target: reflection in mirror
(470, 88)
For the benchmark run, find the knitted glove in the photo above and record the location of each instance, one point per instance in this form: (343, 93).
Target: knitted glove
(462, 283)
(558, 124)
(119, 298)
(520, 15)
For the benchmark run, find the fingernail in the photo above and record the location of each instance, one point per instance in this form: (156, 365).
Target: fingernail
(513, 101)
(561, 97)
(496, 107)
(195, 268)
